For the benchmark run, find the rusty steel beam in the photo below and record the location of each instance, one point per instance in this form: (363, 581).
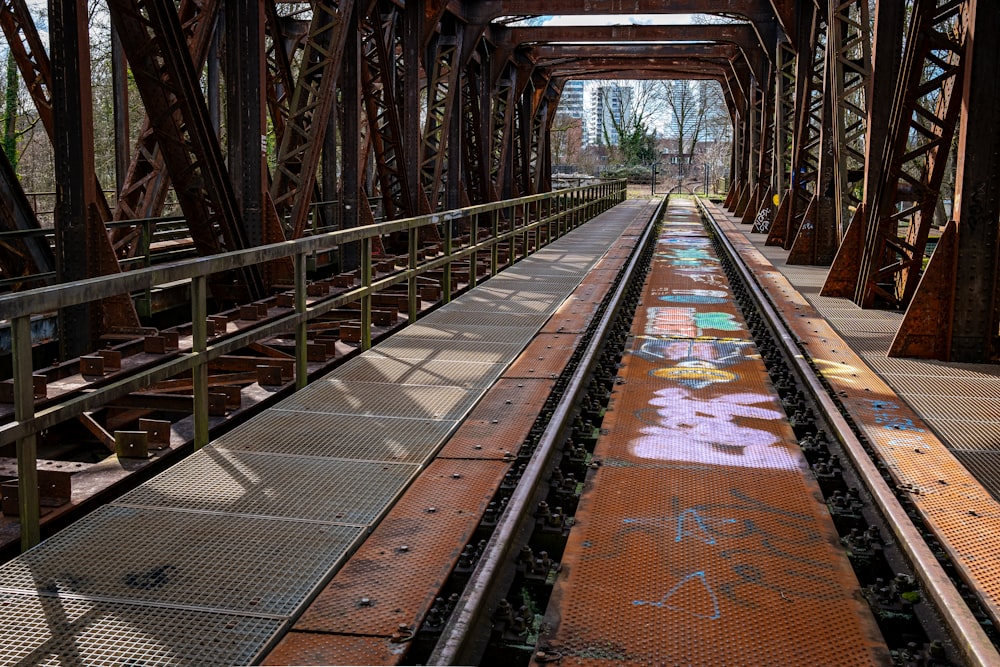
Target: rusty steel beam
(309, 113)
(955, 312)
(157, 49)
(926, 108)
(758, 11)
(21, 257)
(146, 184)
(36, 70)
(443, 66)
(380, 87)
(850, 63)
(809, 102)
(548, 52)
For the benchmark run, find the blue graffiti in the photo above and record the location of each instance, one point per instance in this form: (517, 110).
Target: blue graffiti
(695, 578)
(692, 298)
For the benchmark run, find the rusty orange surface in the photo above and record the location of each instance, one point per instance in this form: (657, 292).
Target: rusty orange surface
(500, 422)
(545, 357)
(701, 539)
(953, 504)
(393, 578)
(307, 648)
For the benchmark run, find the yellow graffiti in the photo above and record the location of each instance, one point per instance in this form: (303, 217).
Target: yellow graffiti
(695, 371)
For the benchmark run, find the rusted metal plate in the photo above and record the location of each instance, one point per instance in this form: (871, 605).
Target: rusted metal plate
(672, 565)
(498, 425)
(308, 648)
(394, 576)
(545, 357)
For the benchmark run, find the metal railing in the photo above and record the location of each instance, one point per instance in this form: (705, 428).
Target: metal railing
(526, 222)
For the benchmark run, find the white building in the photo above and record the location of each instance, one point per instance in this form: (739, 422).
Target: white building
(612, 107)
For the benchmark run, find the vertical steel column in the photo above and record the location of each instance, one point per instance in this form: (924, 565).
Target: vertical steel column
(366, 300)
(245, 138)
(78, 224)
(350, 155)
(975, 322)
(119, 85)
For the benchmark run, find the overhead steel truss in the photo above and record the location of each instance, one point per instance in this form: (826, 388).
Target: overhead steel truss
(382, 109)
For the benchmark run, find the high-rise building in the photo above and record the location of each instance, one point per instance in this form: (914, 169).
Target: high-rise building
(571, 104)
(612, 109)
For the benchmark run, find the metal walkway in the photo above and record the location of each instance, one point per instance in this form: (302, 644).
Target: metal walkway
(208, 562)
(701, 531)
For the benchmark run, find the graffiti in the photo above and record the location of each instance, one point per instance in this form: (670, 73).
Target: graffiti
(763, 220)
(691, 595)
(687, 322)
(884, 416)
(701, 275)
(697, 430)
(740, 542)
(697, 363)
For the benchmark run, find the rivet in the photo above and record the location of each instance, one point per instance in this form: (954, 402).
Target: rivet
(431, 510)
(456, 475)
(404, 549)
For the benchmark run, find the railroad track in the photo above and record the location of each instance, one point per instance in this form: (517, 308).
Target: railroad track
(505, 613)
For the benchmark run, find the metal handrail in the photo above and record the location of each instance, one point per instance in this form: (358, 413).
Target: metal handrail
(558, 212)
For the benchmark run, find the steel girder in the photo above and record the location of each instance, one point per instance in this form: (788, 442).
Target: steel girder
(955, 312)
(444, 65)
(925, 110)
(380, 80)
(21, 257)
(36, 70)
(146, 183)
(809, 119)
(309, 113)
(157, 49)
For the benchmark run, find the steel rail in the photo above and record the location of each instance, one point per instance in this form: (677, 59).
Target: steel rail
(970, 639)
(456, 644)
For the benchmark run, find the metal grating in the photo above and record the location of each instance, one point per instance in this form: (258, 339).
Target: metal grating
(427, 372)
(372, 399)
(437, 331)
(339, 436)
(985, 466)
(888, 365)
(500, 321)
(871, 343)
(495, 303)
(483, 352)
(63, 631)
(267, 485)
(225, 563)
(968, 436)
(942, 385)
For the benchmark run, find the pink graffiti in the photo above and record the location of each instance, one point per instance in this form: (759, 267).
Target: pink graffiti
(671, 322)
(692, 429)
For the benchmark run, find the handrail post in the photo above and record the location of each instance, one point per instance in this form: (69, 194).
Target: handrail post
(27, 450)
(446, 278)
(366, 300)
(199, 344)
(474, 257)
(495, 247)
(412, 293)
(301, 328)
